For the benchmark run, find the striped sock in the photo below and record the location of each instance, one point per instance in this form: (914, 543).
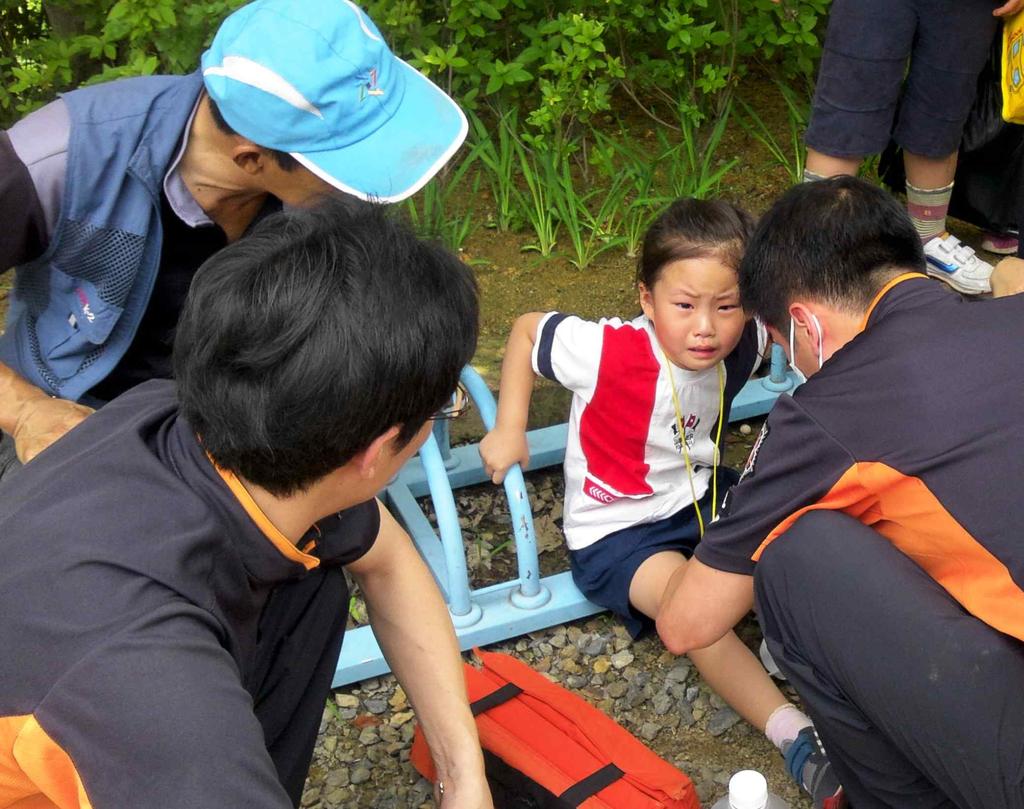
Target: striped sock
(810, 176)
(927, 208)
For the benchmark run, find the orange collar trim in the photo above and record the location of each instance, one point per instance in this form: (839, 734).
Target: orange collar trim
(899, 279)
(257, 515)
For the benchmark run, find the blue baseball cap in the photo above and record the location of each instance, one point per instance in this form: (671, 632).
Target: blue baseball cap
(315, 79)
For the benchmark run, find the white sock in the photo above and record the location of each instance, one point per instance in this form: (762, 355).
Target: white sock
(785, 723)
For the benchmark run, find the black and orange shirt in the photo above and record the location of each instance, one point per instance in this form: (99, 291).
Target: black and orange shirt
(132, 578)
(915, 428)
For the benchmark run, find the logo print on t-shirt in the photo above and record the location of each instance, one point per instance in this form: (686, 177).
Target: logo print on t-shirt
(598, 493)
(689, 429)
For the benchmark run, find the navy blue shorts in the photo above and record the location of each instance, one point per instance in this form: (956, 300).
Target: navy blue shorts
(864, 83)
(603, 571)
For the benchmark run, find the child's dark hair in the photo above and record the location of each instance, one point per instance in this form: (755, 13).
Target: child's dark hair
(694, 228)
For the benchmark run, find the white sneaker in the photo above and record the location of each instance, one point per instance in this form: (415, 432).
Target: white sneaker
(948, 258)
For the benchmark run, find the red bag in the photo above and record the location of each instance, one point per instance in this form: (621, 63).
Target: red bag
(546, 748)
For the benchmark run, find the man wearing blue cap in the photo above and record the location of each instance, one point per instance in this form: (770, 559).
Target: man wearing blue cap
(113, 195)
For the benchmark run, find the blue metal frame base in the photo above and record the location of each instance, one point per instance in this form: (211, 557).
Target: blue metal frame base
(528, 603)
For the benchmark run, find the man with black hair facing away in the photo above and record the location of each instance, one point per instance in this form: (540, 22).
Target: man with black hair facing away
(113, 195)
(172, 591)
(878, 521)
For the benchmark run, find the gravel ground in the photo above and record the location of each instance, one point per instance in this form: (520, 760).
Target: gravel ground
(361, 759)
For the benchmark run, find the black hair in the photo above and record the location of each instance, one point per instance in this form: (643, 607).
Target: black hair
(837, 241)
(313, 335)
(284, 160)
(693, 228)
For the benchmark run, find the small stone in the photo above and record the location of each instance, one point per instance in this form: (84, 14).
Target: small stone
(692, 693)
(721, 720)
(360, 775)
(400, 718)
(722, 777)
(310, 796)
(601, 665)
(576, 682)
(617, 689)
(594, 646)
(685, 714)
(698, 714)
(369, 736)
(649, 731)
(622, 658)
(662, 704)
(336, 797)
(398, 701)
(329, 743)
(679, 672)
(346, 701)
(558, 640)
(375, 706)
(542, 665)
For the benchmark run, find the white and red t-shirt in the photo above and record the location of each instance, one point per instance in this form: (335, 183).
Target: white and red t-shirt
(623, 461)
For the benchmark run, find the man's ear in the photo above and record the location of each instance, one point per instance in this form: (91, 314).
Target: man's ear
(367, 460)
(646, 299)
(249, 157)
(803, 317)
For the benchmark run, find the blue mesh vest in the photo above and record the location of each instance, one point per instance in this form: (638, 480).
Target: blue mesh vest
(74, 310)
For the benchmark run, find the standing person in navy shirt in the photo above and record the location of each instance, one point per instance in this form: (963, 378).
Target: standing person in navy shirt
(642, 476)
(878, 522)
(113, 195)
(172, 572)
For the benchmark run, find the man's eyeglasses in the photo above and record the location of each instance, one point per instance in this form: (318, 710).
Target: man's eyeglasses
(458, 405)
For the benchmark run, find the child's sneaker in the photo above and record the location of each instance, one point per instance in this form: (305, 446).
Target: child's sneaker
(1002, 244)
(948, 258)
(810, 768)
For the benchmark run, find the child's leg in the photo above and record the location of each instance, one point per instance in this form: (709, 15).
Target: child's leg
(728, 666)
(738, 677)
(820, 166)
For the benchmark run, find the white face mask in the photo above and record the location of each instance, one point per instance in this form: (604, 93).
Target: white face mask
(792, 346)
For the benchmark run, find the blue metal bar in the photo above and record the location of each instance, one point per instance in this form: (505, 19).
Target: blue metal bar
(459, 602)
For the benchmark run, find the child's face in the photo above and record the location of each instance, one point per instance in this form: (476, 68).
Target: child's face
(695, 308)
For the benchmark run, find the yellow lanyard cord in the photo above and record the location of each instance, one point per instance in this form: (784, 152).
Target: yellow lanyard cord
(682, 440)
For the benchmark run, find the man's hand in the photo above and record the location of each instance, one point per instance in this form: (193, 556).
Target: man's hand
(1008, 8)
(1008, 276)
(42, 421)
(501, 448)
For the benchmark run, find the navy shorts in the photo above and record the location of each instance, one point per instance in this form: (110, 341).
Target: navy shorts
(864, 83)
(603, 571)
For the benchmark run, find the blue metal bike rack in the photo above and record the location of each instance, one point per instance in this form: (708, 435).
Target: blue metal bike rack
(528, 602)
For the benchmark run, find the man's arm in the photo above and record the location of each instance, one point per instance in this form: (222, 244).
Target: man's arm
(412, 625)
(32, 167)
(34, 419)
(506, 443)
(700, 605)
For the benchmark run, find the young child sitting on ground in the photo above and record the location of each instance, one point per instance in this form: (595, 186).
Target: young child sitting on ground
(642, 461)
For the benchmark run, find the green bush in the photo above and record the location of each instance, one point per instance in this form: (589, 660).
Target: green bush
(560, 62)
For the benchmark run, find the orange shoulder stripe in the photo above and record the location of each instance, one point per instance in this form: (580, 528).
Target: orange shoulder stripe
(903, 510)
(35, 772)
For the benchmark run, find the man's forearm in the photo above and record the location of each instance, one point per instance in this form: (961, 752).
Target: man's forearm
(15, 395)
(34, 418)
(412, 625)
